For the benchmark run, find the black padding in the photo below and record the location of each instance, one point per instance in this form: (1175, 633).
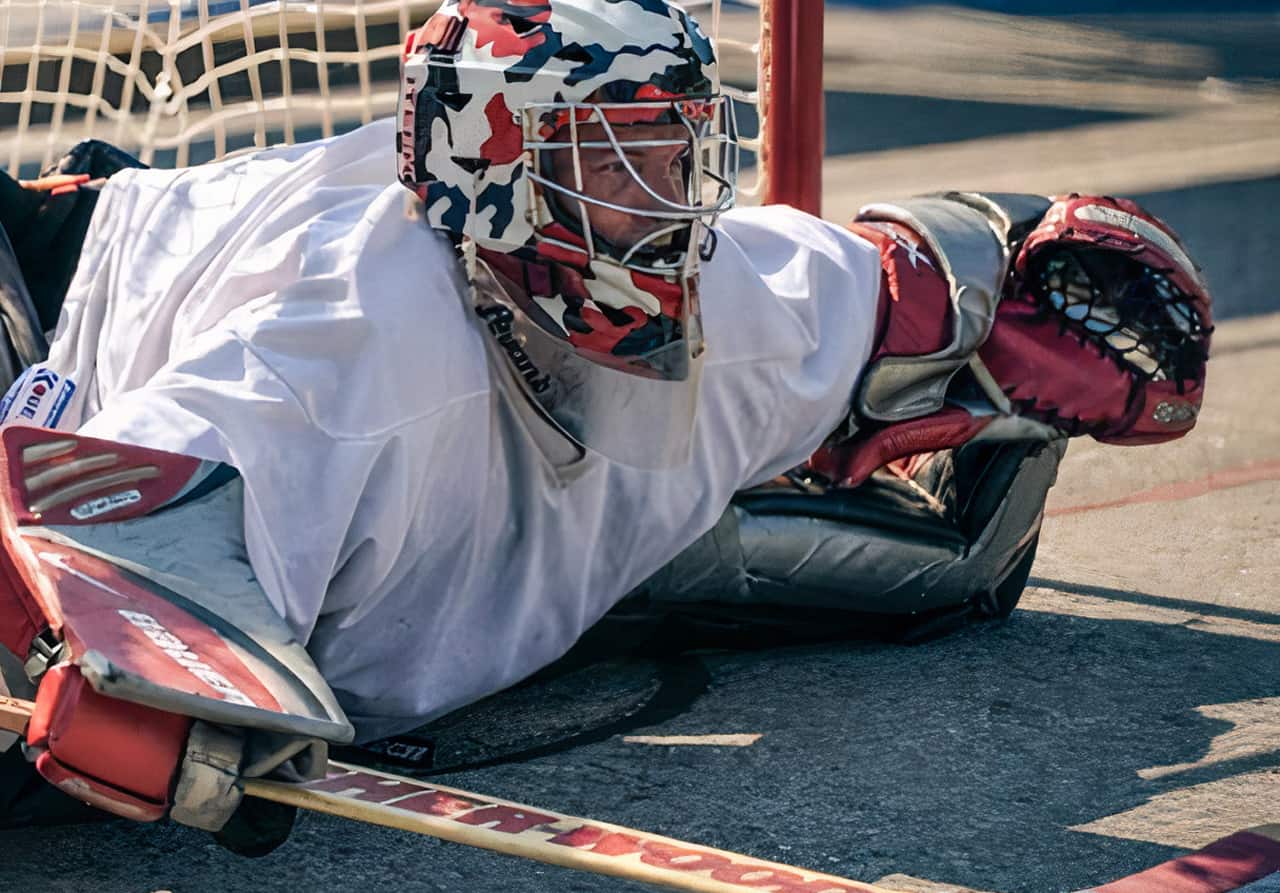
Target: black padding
(23, 343)
(890, 558)
(999, 601)
(41, 236)
(983, 475)
(28, 800)
(257, 828)
(48, 245)
(875, 504)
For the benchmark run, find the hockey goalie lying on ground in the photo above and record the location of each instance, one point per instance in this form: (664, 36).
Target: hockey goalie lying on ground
(309, 458)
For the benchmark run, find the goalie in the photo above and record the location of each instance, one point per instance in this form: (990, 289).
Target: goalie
(301, 466)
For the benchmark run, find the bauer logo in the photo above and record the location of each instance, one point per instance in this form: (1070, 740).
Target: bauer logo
(100, 506)
(186, 658)
(39, 395)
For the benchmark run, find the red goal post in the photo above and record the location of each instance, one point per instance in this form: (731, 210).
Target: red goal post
(793, 139)
(178, 82)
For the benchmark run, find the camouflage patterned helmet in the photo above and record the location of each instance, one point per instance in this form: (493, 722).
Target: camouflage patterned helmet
(499, 99)
(487, 84)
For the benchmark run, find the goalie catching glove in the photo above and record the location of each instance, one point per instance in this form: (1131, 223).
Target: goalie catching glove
(1105, 329)
(1013, 317)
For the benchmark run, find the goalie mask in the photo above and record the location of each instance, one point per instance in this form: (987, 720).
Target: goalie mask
(577, 152)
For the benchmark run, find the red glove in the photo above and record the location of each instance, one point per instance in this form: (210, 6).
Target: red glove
(1104, 328)
(118, 756)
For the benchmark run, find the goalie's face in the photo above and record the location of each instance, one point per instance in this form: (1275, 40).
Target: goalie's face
(621, 190)
(637, 185)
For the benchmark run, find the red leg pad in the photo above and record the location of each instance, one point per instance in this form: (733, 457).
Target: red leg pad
(112, 754)
(852, 462)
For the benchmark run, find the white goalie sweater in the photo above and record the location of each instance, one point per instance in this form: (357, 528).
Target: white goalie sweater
(282, 313)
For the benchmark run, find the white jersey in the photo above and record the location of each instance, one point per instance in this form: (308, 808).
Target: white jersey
(283, 314)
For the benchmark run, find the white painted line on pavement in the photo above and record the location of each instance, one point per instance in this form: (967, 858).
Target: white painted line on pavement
(742, 740)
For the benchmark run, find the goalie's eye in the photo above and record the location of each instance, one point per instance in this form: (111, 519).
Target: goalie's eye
(610, 165)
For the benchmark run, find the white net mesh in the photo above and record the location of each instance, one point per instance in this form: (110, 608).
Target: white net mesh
(180, 82)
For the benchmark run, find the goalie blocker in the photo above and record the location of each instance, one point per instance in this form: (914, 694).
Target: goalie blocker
(164, 675)
(1006, 323)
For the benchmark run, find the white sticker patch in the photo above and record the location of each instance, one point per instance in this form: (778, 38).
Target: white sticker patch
(103, 504)
(1148, 231)
(39, 396)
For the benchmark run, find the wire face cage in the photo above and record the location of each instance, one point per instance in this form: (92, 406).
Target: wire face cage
(181, 82)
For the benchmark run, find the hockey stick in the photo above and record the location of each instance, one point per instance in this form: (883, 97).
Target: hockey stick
(14, 714)
(379, 798)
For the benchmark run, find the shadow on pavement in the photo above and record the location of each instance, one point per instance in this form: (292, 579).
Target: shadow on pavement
(1229, 229)
(872, 122)
(967, 761)
(1159, 601)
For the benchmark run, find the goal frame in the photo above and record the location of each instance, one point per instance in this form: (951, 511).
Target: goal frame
(132, 40)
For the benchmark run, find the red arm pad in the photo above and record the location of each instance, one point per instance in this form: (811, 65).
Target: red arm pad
(852, 462)
(914, 317)
(118, 756)
(1078, 315)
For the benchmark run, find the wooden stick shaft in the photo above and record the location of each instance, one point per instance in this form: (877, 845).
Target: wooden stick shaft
(476, 820)
(502, 826)
(14, 714)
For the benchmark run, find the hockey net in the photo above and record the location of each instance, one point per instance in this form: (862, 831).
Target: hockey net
(181, 82)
